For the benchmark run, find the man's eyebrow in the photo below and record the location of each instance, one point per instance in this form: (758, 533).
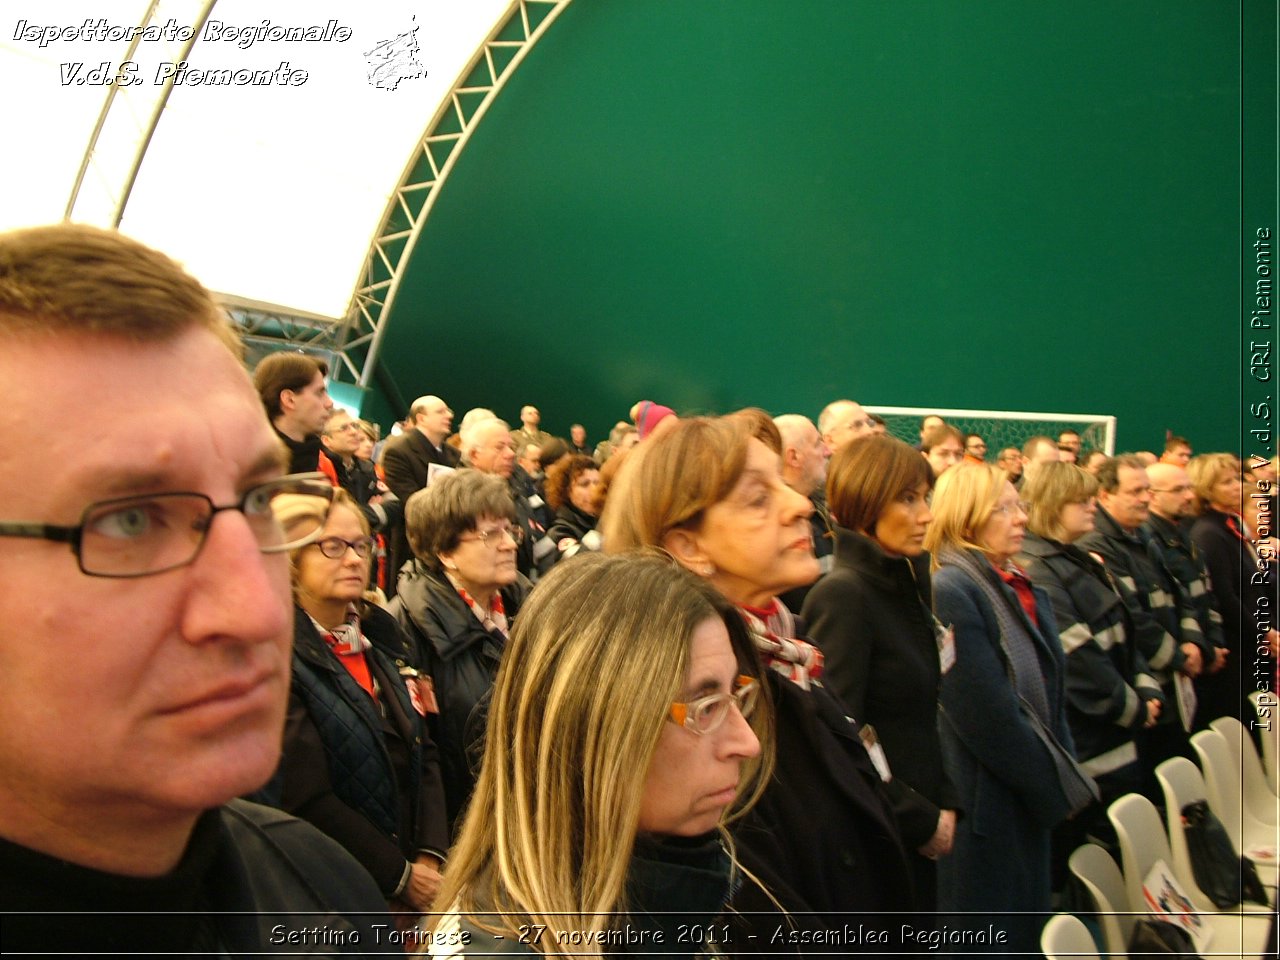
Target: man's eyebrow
(110, 482)
(273, 458)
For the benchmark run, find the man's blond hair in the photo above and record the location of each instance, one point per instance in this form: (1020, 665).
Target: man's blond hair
(73, 278)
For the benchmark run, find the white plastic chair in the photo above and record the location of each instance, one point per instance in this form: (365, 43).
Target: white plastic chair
(1094, 867)
(1066, 936)
(1182, 783)
(1226, 800)
(1268, 710)
(1259, 801)
(1242, 932)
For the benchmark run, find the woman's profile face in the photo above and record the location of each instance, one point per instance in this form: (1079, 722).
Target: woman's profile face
(582, 491)
(1002, 535)
(901, 526)
(1076, 518)
(1227, 491)
(758, 537)
(693, 777)
(334, 578)
(485, 558)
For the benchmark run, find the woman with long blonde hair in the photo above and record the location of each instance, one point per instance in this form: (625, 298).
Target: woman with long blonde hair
(621, 732)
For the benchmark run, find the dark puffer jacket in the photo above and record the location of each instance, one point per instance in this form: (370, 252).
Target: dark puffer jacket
(462, 658)
(365, 772)
(1108, 682)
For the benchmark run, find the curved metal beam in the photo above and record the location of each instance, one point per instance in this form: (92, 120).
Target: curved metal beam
(428, 167)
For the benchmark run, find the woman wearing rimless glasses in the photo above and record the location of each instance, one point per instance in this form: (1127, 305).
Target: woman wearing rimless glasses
(621, 730)
(457, 601)
(358, 761)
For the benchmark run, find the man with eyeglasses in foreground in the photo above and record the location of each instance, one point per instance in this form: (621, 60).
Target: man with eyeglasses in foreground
(148, 622)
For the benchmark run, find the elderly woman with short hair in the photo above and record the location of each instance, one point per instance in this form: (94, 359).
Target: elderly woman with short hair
(457, 600)
(1003, 721)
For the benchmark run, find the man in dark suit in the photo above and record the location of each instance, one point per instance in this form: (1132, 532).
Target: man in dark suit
(407, 459)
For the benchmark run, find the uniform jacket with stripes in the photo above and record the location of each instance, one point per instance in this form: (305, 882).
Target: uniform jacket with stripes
(1162, 617)
(1170, 544)
(1108, 681)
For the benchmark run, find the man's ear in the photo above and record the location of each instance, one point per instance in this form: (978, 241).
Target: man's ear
(288, 400)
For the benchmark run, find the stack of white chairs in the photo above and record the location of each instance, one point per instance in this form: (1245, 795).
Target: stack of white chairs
(1229, 787)
(1182, 783)
(1241, 931)
(1065, 936)
(1260, 801)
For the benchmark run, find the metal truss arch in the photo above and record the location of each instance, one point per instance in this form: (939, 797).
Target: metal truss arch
(363, 325)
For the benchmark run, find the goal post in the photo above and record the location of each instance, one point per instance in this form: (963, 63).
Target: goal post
(1004, 428)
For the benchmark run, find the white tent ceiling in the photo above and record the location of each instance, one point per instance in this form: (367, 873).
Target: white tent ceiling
(268, 192)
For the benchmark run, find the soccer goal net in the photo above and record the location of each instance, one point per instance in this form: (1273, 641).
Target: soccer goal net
(1005, 428)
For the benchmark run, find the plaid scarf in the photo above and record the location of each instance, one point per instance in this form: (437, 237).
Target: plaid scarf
(349, 645)
(495, 618)
(772, 630)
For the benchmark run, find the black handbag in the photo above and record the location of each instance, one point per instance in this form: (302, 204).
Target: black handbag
(1225, 877)
(1162, 939)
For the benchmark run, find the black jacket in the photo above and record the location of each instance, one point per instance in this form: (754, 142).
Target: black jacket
(1108, 682)
(462, 659)
(367, 773)
(250, 877)
(871, 617)
(1149, 593)
(1243, 588)
(572, 531)
(361, 481)
(823, 839)
(304, 455)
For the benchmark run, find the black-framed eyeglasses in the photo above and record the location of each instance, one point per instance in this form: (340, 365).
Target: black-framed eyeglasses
(335, 548)
(139, 536)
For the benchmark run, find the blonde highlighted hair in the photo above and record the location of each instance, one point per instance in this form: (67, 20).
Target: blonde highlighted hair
(1051, 488)
(1205, 470)
(597, 656)
(963, 501)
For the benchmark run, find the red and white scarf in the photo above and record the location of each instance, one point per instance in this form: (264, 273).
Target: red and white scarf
(495, 618)
(772, 630)
(349, 645)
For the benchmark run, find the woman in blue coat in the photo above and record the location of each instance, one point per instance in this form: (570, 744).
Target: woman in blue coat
(1002, 721)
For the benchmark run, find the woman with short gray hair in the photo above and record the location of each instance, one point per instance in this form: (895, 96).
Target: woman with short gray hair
(457, 599)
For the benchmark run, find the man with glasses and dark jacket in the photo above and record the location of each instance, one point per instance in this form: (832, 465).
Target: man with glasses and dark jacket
(149, 624)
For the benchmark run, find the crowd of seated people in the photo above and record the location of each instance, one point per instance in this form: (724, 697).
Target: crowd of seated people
(991, 651)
